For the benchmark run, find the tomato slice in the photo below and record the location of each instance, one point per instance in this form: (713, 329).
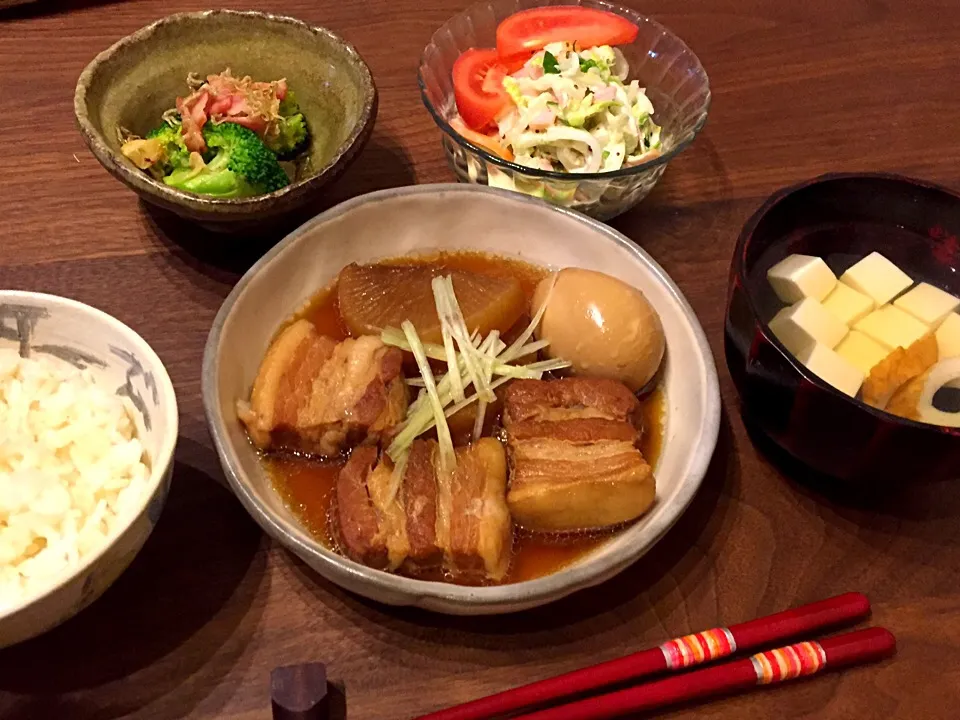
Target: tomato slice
(478, 87)
(529, 30)
(512, 64)
(487, 142)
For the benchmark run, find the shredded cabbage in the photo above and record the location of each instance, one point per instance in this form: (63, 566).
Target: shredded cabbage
(574, 112)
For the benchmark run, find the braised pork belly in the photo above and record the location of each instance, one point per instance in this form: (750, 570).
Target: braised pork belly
(371, 521)
(316, 395)
(574, 461)
(492, 472)
(480, 529)
(422, 517)
(419, 493)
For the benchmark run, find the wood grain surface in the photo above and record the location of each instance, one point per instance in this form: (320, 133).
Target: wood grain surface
(211, 606)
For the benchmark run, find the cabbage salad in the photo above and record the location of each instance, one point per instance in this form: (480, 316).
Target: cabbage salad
(574, 112)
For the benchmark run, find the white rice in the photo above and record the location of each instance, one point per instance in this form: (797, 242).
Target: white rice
(72, 472)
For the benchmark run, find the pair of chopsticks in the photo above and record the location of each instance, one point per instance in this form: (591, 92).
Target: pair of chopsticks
(766, 667)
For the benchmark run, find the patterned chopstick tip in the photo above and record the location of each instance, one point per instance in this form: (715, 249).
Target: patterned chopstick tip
(788, 662)
(698, 648)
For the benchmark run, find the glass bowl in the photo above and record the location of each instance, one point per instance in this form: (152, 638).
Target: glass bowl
(841, 218)
(675, 81)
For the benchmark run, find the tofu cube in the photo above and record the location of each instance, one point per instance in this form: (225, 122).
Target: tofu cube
(805, 323)
(847, 304)
(877, 277)
(861, 351)
(828, 365)
(948, 337)
(892, 327)
(928, 304)
(797, 277)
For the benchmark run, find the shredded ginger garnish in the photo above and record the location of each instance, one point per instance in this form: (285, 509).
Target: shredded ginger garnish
(471, 361)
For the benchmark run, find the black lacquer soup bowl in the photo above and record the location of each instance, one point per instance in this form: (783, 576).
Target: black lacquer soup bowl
(840, 218)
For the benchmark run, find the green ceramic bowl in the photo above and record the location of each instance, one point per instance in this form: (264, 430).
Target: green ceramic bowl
(130, 85)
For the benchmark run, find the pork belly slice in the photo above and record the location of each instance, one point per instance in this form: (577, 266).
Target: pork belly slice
(570, 398)
(419, 498)
(372, 526)
(428, 518)
(473, 522)
(320, 396)
(574, 462)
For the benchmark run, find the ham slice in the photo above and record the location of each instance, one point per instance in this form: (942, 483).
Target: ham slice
(224, 98)
(605, 94)
(193, 116)
(531, 72)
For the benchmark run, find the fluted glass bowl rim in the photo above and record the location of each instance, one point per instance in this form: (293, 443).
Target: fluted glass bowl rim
(747, 235)
(558, 175)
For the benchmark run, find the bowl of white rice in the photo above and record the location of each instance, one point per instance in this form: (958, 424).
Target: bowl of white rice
(88, 426)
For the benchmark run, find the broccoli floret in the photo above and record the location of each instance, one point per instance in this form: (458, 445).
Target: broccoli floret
(159, 153)
(241, 165)
(292, 131)
(292, 137)
(175, 153)
(289, 105)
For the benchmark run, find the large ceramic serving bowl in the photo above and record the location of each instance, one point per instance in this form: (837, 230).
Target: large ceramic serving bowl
(419, 219)
(120, 360)
(133, 82)
(841, 218)
(675, 81)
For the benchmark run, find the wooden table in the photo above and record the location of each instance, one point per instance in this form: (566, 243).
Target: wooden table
(210, 606)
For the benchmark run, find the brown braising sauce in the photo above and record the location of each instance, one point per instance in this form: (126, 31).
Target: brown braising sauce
(307, 484)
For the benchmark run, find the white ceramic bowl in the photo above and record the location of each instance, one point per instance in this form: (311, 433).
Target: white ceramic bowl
(120, 360)
(455, 217)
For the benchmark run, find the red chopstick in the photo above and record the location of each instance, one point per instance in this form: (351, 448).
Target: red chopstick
(772, 666)
(672, 655)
